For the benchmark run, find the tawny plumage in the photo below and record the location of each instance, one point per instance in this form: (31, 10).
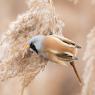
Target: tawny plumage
(56, 49)
(52, 43)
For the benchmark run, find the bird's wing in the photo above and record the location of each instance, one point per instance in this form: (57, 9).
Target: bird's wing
(56, 46)
(66, 56)
(68, 41)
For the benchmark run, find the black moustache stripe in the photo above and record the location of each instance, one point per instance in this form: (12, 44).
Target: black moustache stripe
(32, 46)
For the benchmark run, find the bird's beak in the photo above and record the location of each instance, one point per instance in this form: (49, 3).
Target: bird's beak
(26, 46)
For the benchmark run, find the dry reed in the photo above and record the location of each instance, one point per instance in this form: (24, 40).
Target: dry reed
(89, 71)
(15, 59)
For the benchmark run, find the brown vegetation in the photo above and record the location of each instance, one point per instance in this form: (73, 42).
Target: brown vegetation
(79, 18)
(15, 59)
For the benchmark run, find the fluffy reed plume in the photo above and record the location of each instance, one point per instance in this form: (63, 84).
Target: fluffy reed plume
(89, 72)
(15, 59)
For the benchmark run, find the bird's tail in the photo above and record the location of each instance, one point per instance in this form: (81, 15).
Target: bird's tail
(74, 68)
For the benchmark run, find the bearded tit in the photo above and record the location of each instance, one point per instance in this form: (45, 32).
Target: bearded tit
(56, 49)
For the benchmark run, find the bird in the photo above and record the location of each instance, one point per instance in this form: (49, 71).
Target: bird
(57, 49)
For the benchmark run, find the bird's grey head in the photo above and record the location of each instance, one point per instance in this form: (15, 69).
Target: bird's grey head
(36, 43)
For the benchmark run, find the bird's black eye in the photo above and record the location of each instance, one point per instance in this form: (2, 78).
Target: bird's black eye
(32, 46)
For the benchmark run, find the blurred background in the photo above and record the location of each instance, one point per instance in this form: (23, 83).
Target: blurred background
(79, 19)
